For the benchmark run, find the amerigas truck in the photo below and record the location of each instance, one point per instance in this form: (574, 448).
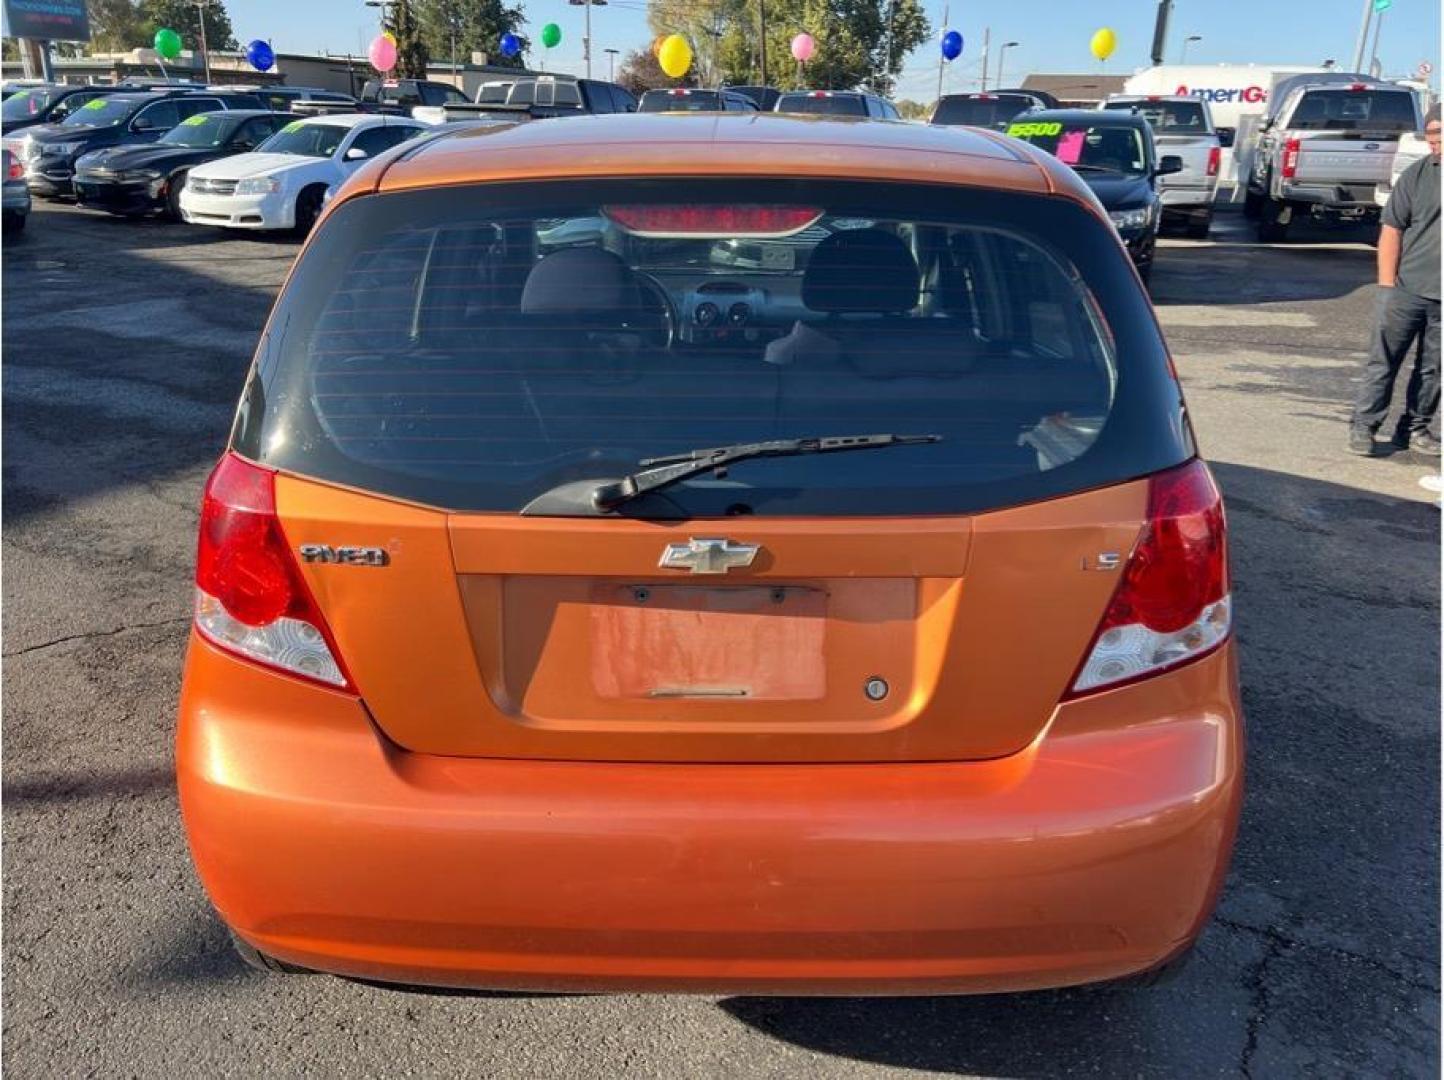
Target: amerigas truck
(1237, 96)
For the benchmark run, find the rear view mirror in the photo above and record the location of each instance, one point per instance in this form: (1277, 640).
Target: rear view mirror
(1226, 136)
(1170, 164)
(355, 154)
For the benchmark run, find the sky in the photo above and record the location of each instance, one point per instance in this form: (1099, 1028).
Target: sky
(1053, 35)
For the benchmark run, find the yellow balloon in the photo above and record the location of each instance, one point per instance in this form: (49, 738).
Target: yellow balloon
(675, 56)
(1103, 43)
(389, 36)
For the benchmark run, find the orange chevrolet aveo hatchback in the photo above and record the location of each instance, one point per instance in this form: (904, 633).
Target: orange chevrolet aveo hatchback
(718, 553)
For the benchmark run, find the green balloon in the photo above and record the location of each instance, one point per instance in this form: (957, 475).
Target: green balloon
(167, 43)
(551, 35)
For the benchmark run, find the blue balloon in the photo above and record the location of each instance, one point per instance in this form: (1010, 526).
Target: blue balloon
(510, 44)
(260, 56)
(952, 45)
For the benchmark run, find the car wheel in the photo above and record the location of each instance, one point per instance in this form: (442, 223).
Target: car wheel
(172, 196)
(1273, 221)
(308, 208)
(14, 223)
(254, 958)
(1199, 225)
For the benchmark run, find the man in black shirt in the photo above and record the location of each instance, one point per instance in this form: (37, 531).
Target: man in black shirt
(1408, 309)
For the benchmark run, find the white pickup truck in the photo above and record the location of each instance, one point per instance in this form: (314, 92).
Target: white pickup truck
(1412, 147)
(1325, 147)
(1182, 125)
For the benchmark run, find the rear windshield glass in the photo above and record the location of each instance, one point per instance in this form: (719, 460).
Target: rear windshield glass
(1167, 117)
(847, 105)
(1087, 147)
(307, 140)
(476, 347)
(990, 112)
(693, 101)
(1347, 110)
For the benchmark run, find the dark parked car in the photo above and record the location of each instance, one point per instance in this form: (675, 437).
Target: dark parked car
(399, 96)
(995, 109)
(1114, 154)
(127, 119)
(138, 179)
(685, 99)
(764, 97)
(836, 103)
(47, 104)
(17, 195)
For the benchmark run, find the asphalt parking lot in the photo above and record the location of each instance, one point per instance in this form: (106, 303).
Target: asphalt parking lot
(124, 348)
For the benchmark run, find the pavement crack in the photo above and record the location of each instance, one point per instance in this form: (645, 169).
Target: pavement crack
(95, 634)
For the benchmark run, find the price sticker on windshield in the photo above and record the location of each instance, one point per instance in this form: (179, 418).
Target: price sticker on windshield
(95, 103)
(294, 125)
(193, 121)
(1038, 128)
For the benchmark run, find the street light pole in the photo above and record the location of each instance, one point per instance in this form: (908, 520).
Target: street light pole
(942, 59)
(611, 64)
(1183, 49)
(205, 52)
(1001, 50)
(1363, 34)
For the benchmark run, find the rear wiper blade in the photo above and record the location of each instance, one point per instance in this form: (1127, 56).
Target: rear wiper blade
(660, 472)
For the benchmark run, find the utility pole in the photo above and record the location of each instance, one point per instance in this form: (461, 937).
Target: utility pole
(887, 66)
(762, 41)
(1374, 52)
(942, 59)
(1363, 35)
(987, 39)
(205, 52)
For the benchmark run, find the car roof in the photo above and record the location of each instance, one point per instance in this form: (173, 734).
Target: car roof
(762, 145)
(1130, 98)
(350, 120)
(1090, 116)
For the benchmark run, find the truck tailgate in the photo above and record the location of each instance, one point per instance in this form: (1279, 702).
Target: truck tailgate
(1335, 159)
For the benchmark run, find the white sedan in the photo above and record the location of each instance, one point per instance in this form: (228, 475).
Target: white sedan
(283, 182)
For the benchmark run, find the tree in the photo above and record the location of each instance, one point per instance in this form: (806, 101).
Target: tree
(184, 18)
(859, 42)
(912, 110)
(641, 73)
(704, 23)
(478, 26)
(411, 52)
(116, 26)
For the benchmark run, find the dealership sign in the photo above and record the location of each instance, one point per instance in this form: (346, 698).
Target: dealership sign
(47, 20)
(1244, 95)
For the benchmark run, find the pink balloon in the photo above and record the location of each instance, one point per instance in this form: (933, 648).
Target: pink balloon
(802, 47)
(382, 53)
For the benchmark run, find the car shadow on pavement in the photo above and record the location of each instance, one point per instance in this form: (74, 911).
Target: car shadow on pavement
(1232, 273)
(1311, 962)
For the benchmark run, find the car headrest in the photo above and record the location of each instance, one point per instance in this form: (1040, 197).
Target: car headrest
(578, 280)
(861, 270)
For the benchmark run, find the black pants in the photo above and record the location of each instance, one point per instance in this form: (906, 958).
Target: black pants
(1401, 321)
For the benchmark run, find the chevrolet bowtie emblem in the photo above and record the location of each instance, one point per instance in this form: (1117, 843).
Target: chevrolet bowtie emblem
(708, 555)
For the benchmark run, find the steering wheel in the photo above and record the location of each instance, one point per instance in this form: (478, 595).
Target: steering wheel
(664, 304)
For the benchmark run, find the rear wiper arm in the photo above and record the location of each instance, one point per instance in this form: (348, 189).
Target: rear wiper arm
(660, 472)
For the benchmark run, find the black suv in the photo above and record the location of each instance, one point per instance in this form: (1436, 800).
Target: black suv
(48, 104)
(836, 103)
(995, 109)
(126, 119)
(685, 99)
(133, 180)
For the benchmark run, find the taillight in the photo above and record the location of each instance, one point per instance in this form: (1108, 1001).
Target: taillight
(250, 596)
(665, 220)
(1173, 603)
(16, 170)
(1214, 154)
(1291, 157)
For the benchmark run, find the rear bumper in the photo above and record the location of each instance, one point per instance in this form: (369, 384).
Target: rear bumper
(1188, 198)
(1351, 196)
(1095, 853)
